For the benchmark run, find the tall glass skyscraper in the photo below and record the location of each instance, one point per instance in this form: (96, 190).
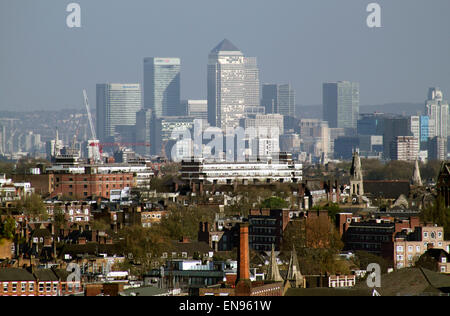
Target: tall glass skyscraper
(279, 99)
(226, 85)
(437, 110)
(162, 86)
(252, 98)
(341, 104)
(117, 105)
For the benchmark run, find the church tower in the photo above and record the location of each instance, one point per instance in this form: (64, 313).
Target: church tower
(356, 178)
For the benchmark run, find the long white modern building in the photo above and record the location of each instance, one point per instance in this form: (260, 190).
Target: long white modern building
(199, 170)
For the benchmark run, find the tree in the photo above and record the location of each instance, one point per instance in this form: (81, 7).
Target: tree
(33, 206)
(438, 214)
(274, 203)
(7, 228)
(184, 221)
(59, 216)
(317, 243)
(364, 258)
(143, 247)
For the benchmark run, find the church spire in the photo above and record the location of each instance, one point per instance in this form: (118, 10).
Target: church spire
(294, 273)
(274, 273)
(416, 180)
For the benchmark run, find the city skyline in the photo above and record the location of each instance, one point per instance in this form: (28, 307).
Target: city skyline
(70, 60)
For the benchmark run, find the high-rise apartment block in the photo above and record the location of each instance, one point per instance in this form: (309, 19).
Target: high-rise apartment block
(405, 148)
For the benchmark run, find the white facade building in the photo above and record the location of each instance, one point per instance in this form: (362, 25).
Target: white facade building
(222, 172)
(226, 86)
(437, 110)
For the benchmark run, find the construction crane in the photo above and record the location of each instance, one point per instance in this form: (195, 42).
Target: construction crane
(94, 143)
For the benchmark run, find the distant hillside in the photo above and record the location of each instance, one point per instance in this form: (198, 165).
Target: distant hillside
(394, 108)
(315, 111)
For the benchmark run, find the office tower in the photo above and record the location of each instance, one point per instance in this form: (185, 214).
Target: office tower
(226, 85)
(341, 104)
(162, 132)
(117, 105)
(405, 148)
(2, 139)
(286, 100)
(143, 131)
(278, 98)
(252, 98)
(162, 86)
(414, 126)
(393, 127)
(315, 137)
(270, 98)
(264, 121)
(249, 110)
(345, 146)
(370, 124)
(334, 134)
(197, 109)
(437, 110)
(437, 148)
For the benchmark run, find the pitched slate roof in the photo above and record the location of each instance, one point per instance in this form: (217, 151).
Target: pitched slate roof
(412, 282)
(45, 275)
(191, 248)
(386, 188)
(15, 274)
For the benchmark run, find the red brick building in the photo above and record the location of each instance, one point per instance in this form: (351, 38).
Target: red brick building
(84, 185)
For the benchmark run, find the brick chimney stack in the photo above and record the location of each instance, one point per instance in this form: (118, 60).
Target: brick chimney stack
(243, 284)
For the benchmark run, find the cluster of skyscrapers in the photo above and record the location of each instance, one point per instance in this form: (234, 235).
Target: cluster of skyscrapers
(236, 98)
(233, 100)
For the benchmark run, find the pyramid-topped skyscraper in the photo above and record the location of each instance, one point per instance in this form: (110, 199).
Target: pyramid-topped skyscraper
(226, 85)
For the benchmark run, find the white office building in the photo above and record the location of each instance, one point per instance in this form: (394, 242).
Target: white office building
(226, 86)
(437, 110)
(199, 170)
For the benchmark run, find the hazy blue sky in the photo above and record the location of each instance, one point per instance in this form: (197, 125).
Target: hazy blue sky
(45, 65)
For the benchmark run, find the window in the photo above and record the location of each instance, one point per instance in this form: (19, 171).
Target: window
(48, 286)
(23, 286)
(443, 269)
(439, 234)
(55, 286)
(5, 286)
(399, 248)
(31, 286)
(41, 287)
(417, 248)
(444, 260)
(14, 286)
(410, 248)
(425, 234)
